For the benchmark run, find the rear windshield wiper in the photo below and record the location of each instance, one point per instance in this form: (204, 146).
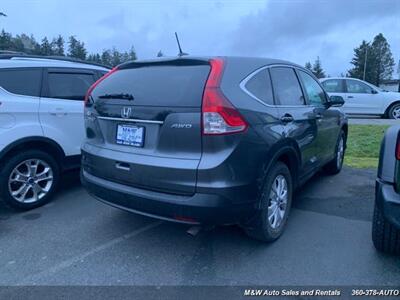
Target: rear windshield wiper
(117, 96)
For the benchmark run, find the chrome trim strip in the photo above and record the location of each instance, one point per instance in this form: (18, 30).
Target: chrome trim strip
(243, 83)
(131, 120)
(242, 86)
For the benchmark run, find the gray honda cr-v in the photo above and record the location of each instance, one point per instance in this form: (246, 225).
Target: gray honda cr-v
(210, 140)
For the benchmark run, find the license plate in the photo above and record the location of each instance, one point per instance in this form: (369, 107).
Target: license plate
(130, 135)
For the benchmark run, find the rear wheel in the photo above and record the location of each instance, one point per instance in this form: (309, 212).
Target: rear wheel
(275, 198)
(394, 112)
(385, 236)
(29, 179)
(335, 166)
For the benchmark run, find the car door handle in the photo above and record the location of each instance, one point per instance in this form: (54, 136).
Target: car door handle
(318, 116)
(122, 166)
(58, 112)
(287, 118)
(350, 96)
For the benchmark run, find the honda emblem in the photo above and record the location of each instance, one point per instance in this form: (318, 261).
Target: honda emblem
(126, 112)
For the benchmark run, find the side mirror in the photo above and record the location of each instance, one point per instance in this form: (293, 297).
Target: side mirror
(374, 91)
(336, 101)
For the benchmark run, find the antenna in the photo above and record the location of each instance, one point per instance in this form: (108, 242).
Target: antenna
(181, 53)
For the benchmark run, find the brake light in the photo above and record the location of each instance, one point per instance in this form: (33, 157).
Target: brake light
(398, 148)
(219, 115)
(93, 86)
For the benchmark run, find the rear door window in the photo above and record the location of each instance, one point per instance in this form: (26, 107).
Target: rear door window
(259, 86)
(21, 81)
(286, 86)
(158, 85)
(71, 86)
(333, 85)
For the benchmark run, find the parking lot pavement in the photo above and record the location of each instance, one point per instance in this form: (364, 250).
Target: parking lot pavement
(373, 121)
(76, 240)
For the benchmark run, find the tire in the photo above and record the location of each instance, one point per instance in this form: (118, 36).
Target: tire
(394, 111)
(269, 229)
(335, 166)
(34, 190)
(385, 236)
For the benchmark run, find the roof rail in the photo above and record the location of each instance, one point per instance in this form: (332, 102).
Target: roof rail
(12, 54)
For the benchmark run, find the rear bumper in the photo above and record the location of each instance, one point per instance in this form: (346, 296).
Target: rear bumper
(389, 202)
(196, 209)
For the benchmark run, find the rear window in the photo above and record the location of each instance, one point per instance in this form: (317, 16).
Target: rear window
(22, 82)
(158, 85)
(260, 87)
(333, 85)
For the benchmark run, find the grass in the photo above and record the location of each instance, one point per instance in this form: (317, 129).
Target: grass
(363, 145)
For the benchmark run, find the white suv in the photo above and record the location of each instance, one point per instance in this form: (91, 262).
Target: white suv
(363, 98)
(41, 124)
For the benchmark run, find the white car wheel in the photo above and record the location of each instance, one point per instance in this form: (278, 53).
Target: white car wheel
(394, 112)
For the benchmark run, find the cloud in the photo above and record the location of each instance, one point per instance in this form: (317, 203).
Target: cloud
(302, 30)
(287, 23)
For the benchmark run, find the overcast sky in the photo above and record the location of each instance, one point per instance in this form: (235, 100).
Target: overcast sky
(298, 31)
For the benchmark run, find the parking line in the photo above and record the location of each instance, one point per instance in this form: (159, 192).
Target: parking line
(69, 262)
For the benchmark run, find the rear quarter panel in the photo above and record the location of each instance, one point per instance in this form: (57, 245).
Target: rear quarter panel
(19, 117)
(233, 162)
(389, 99)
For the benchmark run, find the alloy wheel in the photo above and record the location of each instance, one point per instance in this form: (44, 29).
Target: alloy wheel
(277, 203)
(30, 181)
(396, 112)
(340, 153)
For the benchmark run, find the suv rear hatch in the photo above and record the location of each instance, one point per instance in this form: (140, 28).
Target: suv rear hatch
(145, 124)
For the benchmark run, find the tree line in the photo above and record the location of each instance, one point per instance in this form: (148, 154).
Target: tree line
(57, 46)
(372, 62)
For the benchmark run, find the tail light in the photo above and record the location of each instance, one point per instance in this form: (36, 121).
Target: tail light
(92, 87)
(398, 148)
(219, 115)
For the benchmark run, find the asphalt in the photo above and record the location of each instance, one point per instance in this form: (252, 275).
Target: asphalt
(76, 240)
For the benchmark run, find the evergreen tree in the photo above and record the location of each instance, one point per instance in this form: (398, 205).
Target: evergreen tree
(58, 46)
(376, 58)
(125, 57)
(45, 47)
(76, 48)
(317, 69)
(115, 57)
(360, 54)
(6, 41)
(160, 54)
(94, 57)
(383, 61)
(18, 44)
(132, 54)
(106, 58)
(308, 66)
(36, 46)
(26, 43)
